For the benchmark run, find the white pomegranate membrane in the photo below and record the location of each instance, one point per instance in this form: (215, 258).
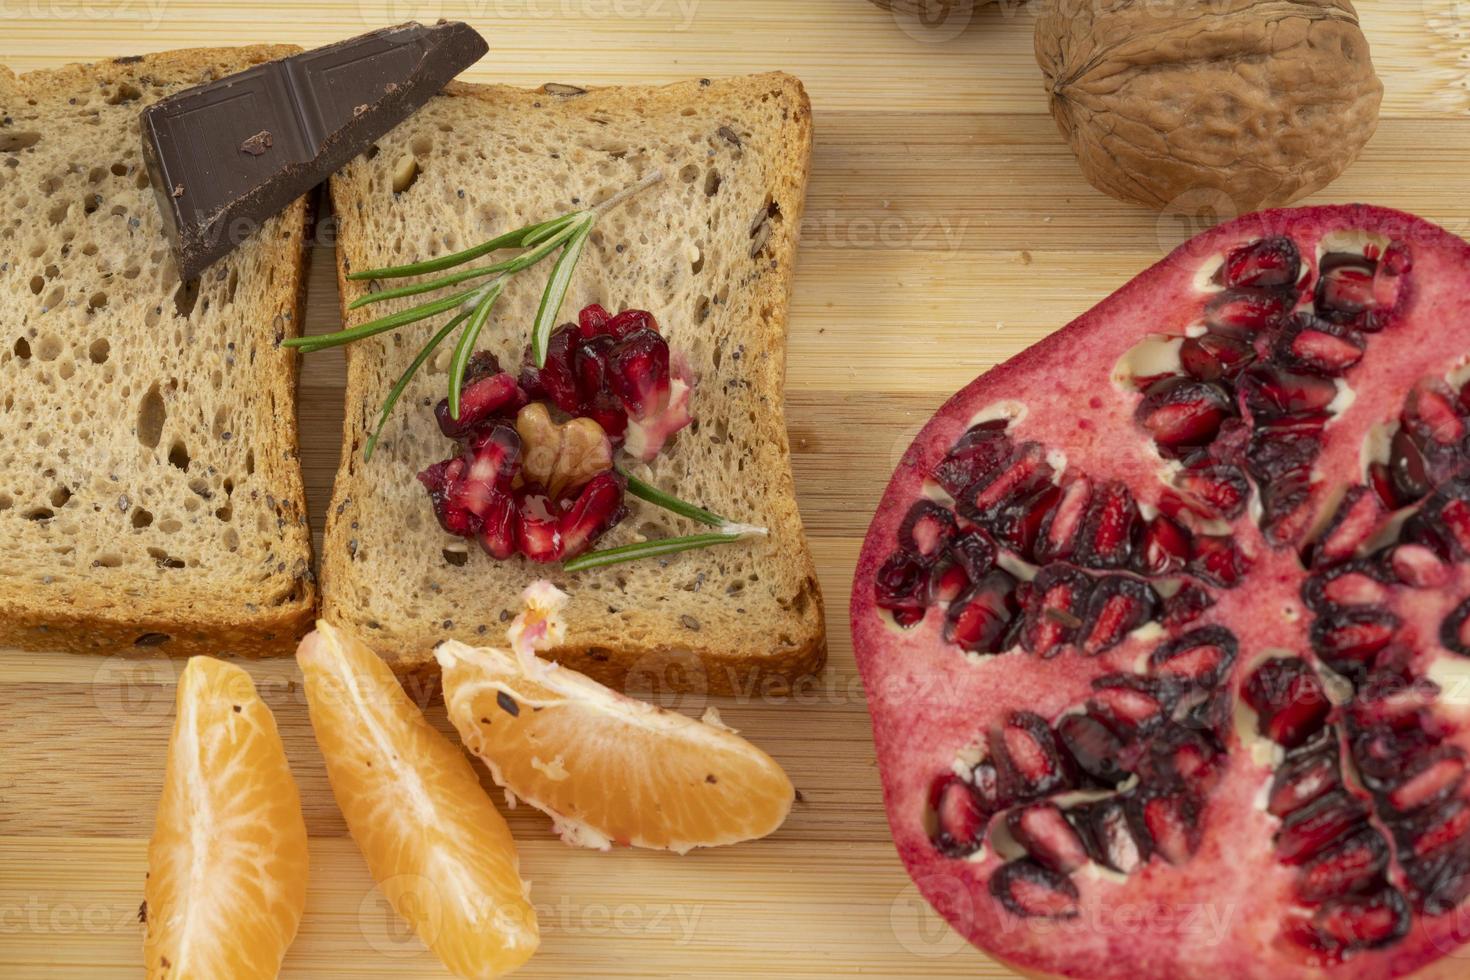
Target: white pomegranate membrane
(1168, 632)
(617, 371)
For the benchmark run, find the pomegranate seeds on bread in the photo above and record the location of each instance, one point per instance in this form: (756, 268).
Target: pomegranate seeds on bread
(1166, 668)
(709, 253)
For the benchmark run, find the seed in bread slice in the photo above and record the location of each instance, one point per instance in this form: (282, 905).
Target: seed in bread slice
(150, 494)
(710, 252)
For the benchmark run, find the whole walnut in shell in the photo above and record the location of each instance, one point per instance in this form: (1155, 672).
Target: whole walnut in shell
(1261, 101)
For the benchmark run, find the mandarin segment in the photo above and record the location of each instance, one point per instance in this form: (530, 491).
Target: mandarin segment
(227, 864)
(439, 850)
(607, 768)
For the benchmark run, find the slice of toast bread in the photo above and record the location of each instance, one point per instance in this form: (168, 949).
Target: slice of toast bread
(710, 251)
(150, 494)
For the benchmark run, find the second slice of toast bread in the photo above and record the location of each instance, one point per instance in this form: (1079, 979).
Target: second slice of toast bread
(710, 252)
(150, 494)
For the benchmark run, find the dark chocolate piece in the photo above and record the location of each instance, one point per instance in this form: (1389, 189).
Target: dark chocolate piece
(225, 157)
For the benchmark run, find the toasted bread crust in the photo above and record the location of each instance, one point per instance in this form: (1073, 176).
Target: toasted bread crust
(663, 656)
(260, 617)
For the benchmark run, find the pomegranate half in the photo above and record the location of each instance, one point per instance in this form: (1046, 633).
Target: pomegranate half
(1165, 623)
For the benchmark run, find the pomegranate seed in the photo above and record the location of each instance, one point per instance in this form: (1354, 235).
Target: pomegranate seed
(1182, 412)
(1274, 392)
(1317, 826)
(1054, 611)
(1381, 480)
(629, 322)
(1288, 699)
(1181, 757)
(1304, 778)
(1246, 312)
(1092, 745)
(1441, 881)
(1022, 474)
(1319, 346)
(1454, 515)
(986, 780)
(1362, 922)
(975, 553)
(1358, 583)
(462, 491)
(1417, 566)
(1213, 356)
(1059, 534)
(1218, 559)
(1268, 262)
(1407, 469)
(1344, 286)
(1165, 547)
(498, 528)
(1130, 703)
(1186, 605)
(1432, 413)
(1031, 890)
(1382, 756)
(1172, 823)
(1111, 835)
(948, 581)
(592, 321)
(1118, 606)
(1047, 836)
(902, 584)
(1351, 866)
(979, 620)
(978, 452)
(538, 529)
(1350, 641)
(1221, 490)
(598, 507)
(1109, 529)
(1437, 828)
(960, 818)
(1454, 632)
(1201, 656)
(479, 400)
(1019, 524)
(1435, 777)
(1027, 758)
(556, 380)
(927, 529)
(1358, 518)
(638, 368)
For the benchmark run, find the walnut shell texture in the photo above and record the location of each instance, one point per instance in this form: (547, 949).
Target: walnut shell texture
(1259, 101)
(930, 10)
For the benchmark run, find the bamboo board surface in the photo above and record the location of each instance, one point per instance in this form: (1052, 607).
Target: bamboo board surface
(947, 228)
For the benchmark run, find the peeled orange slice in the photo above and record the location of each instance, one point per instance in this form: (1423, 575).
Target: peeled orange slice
(439, 850)
(607, 768)
(227, 862)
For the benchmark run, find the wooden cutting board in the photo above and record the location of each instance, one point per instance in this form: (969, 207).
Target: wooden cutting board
(947, 228)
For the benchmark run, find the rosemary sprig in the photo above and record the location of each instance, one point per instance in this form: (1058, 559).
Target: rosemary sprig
(567, 233)
(403, 381)
(724, 531)
(652, 494)
(660, 547)
(556, 289)
(520, 238)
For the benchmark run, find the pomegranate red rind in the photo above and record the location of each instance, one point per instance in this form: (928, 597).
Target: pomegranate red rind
(1219, 610)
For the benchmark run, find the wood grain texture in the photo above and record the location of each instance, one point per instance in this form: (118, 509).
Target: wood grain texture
(947, 227)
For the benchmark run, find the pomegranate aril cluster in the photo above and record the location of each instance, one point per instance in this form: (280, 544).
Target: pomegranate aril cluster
(618, 371)
(1144, 751)
(485, 493)
(1095, 550)
(1255, 389)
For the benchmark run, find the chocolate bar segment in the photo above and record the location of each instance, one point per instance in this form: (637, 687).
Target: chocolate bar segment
(226, 156)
